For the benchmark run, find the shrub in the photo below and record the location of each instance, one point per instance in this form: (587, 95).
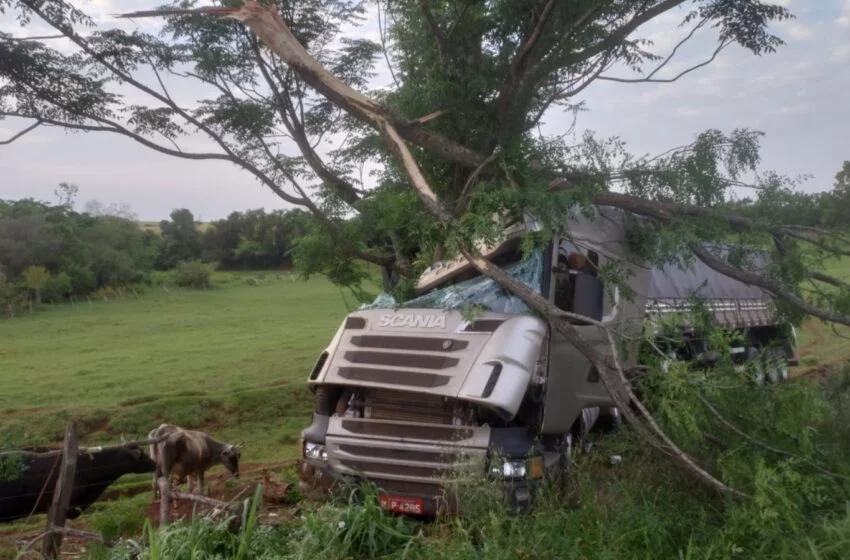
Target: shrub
(57, 288)
(82, 279)
(36, 278)
(193, 274)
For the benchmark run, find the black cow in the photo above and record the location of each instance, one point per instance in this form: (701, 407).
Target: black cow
(96, 470)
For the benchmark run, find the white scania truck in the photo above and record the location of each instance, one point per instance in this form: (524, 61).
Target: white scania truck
(407, 393)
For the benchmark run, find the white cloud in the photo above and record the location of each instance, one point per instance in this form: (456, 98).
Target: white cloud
(844, 19)
(796, 30)
(840, 53)
(796, 109)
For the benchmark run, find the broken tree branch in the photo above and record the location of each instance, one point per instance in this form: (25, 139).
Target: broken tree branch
(610, 368)
(771, 286)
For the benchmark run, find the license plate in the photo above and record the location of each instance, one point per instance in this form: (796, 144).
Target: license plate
(400, 504)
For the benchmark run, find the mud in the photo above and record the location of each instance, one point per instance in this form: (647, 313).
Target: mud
(279, 505)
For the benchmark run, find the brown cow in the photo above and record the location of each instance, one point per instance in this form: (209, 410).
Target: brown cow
(161, 431)
(188, 454)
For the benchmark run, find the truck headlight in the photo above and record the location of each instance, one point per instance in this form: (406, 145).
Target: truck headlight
(518, 468)
(315, 451)
(508, 469)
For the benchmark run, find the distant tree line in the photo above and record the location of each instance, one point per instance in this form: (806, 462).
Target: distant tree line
(51, 252)
(827, 210)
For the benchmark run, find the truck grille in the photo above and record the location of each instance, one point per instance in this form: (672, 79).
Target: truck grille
(381, 404)
(403, 464)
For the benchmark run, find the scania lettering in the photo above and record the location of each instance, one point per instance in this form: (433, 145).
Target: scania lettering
(413, 321)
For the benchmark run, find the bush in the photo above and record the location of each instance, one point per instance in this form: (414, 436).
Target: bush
(193, 274)
(57, 288)
(82, 279)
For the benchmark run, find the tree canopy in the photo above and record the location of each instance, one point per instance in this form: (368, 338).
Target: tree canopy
(452, 142)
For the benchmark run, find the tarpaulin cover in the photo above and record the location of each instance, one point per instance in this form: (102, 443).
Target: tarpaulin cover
(480, 290)
(673, 282)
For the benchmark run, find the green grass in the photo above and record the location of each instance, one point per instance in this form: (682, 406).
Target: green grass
(232, 359)
(823, 344)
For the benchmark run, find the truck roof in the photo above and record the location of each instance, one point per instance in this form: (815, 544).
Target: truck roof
(606, 233)
(679, 281)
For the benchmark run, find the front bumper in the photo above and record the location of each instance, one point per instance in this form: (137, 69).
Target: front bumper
(320, 482)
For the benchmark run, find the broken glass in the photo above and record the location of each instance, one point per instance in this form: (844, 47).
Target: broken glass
(478, 291)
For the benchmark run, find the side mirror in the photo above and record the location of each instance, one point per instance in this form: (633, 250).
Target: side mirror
(588, 296)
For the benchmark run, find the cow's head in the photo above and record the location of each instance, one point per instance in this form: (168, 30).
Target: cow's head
(136, 459)
(230, 458)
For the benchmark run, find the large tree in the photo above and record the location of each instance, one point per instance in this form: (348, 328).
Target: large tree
(455, 139)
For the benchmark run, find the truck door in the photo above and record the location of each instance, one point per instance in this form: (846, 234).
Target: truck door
(573, 383)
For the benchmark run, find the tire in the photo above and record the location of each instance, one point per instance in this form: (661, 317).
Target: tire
(754, 365)
(610, 419)
(565, 462)
(775, 365)
(562, 444)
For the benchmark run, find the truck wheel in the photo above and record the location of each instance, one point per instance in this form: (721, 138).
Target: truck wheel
(754, 365)
(565, 462)
(609, 419)
(558, 474)
(775, 365)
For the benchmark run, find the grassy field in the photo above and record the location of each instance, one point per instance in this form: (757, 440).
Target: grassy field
(232, 359)
(821, 344)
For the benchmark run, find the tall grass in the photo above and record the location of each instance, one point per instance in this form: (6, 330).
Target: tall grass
(642, 508)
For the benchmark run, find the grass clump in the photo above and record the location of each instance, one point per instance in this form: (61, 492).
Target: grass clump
(121, 518)
(360, 529)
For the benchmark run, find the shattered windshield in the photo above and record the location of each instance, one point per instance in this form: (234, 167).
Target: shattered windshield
(479, 290)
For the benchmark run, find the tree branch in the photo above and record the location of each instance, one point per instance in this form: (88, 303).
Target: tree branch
(517, 69)
(27, 130)
(690, 35)
(382, 34)
(617, 36)
(685, 72)
(34, 38)
(267, 24)
(439, 36)
(470, 183)
(345, 189)
(85, 47)
(610, 369)
(771, 286)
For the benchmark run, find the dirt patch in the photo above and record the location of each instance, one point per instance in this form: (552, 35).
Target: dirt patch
(278, 502)
(191, 393)
(138, 400)
(817, 331)
(93, 424)
(821, 372)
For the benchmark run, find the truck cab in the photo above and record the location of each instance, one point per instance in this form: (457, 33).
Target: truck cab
(407, 395)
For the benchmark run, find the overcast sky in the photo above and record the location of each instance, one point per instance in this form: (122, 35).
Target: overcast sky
(797, 96)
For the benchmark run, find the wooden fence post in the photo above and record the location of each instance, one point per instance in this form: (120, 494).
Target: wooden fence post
(62, 493)
(164, 499)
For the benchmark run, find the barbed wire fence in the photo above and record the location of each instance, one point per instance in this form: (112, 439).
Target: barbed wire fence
(66, 460)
